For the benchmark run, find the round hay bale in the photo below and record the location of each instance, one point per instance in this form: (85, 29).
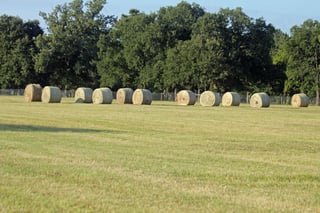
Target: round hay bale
(124, 96)
(230, 99)
(186, 97)
(33, 92)
(51, 95)
(209, 98)
(259, 100)
(83, 95)
(300, 100)
(102, 96)
(142, 97)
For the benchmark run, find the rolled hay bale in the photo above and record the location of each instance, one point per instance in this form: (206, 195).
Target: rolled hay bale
(186, 97)
(300, 100)
(33, 92)
(230, 99)
(102, 96)
(259, 100)
(209, 98)
(124, 96)
(142, 97)
(51, 95)
(83, 95)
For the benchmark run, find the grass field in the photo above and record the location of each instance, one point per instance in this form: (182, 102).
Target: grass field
(161, 158)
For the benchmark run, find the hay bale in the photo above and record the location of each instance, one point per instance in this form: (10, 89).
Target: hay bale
(259, 100)
(230, 99)
(209, 98)
(102, 96)
(51, 95)
(83, 95)
(300, 100)
(124, 96)
(142, 97)
(33, 92)
(186, 97)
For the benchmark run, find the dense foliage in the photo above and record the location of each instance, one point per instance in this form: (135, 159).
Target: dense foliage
(185, 47)
(303, 50)
(17, 51)
(69, 49)
(176, 47)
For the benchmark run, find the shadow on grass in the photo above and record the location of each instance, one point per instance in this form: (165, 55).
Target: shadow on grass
(34, 128)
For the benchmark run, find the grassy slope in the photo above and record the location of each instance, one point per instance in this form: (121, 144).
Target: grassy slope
(159, 158)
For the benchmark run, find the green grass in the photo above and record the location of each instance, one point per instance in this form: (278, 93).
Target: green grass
(161, 158)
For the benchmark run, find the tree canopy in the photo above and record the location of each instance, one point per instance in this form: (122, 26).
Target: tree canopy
(17, 51)
(185, 47)
(69, 50)
(176, 47)
(303, 49)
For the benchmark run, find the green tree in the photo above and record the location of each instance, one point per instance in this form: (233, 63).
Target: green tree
(247, 45)
(176, 23)
(123, 53)
(17, 51)
(303, 70)
(135, 52)
(184, 47)
(227, 51)
(69, 50)
(111, 63)
(194, 64)
(178, 74)
(208, 33)
(280, 60)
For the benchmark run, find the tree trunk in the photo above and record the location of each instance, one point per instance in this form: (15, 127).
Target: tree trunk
(317, 97)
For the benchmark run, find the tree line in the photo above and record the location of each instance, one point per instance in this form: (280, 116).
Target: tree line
(176, 47)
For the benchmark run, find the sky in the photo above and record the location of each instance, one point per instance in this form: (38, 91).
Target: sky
(283, 14)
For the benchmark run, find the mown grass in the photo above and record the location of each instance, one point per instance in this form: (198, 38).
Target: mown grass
(161, 158)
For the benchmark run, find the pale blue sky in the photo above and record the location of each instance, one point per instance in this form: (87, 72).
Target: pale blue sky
(282, 14)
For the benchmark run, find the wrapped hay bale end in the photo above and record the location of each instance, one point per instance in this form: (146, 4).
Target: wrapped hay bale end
(209, 98)
(259, 100)
(124, 96)
(231, 99)
(102, 96)
(51, 95)
(142, 97)
(300, 100)
(32, 92)
(186, 97)
(83, 95)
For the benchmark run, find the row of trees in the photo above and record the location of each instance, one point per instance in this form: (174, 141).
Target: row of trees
(177, 47)
(185, 47)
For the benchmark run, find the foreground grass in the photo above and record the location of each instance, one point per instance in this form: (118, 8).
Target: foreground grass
(160, 158)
